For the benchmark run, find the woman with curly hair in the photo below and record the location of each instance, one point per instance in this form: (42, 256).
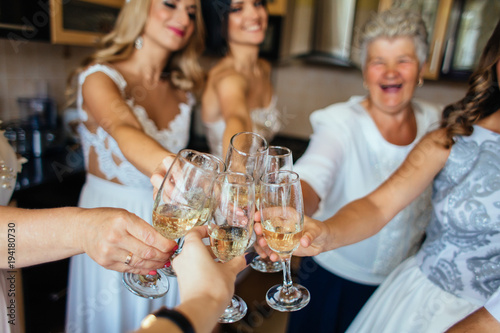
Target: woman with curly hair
(458, 266)
(134, 98)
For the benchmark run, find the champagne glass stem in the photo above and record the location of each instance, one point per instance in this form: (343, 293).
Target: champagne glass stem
(287, 273)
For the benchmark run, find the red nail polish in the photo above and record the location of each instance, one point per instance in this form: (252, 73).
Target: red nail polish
(167, 264)
(175, 248)
(152, 272)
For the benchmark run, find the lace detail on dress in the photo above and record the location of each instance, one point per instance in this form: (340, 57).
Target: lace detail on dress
(176, 136)
(267, 121)
(111, 161)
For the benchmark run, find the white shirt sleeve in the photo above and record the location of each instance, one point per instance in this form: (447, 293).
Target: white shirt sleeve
(320, 162)
(493, 305)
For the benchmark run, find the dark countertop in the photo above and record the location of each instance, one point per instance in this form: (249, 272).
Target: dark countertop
(51, 167)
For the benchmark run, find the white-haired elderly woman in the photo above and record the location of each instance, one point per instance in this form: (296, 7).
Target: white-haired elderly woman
(355, 146)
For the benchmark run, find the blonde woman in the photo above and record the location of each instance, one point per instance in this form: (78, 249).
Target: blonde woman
(135, 108)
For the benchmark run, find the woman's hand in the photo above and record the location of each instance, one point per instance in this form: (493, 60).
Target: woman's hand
(313, 241)
(199, 275)
(109, 235)
(160, 172)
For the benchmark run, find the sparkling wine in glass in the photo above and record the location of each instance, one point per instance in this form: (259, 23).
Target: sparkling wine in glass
(278, 158)
(177, 208)
(206, 213)
(231, 227)
(282, 218)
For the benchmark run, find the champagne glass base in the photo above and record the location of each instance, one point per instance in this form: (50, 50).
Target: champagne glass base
(266, 265)
(235, 311)
(144, 289)
(295, 299)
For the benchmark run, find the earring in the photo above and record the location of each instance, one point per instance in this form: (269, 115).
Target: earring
(139, 43)
(420, 82)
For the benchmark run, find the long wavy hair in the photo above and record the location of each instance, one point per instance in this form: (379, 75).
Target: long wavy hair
(182, 69)
(482, 98)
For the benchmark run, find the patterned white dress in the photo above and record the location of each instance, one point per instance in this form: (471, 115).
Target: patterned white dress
(97, 299)
(458, 267)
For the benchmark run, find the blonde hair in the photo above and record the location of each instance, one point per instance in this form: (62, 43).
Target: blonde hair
(183, 68)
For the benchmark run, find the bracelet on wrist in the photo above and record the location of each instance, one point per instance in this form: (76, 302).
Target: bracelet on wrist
(176, 317)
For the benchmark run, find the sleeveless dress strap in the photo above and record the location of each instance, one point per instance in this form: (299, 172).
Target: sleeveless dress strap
(112, 73)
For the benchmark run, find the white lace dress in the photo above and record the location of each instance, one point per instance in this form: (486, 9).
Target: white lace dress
(97, 299)
(265, 121)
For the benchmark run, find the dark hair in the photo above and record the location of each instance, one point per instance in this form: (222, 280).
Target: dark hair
(215, 15)
(483, 96)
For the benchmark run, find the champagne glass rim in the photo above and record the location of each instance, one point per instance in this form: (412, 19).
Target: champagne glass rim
(198, 153)
(287, 151)
(261, 151)
(291, 179)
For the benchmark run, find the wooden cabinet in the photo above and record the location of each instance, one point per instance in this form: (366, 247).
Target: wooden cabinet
(458, 31)
(82, 22)
(435, 14)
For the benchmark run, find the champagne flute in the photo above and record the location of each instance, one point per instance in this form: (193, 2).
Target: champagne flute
(247, 154)
(206, 213)
(177, 208)
(282, 218)
(278, 158)
(231, 227)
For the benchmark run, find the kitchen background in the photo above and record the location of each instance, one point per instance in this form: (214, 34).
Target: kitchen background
(311, 46)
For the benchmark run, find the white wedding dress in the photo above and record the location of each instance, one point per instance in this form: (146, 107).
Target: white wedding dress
(97, 299)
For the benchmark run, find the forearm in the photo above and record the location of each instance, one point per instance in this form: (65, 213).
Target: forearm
(479, 321)
(234, 125)
(202, 312)
(353, 223)
(311, 199)
(139, 149)
(39, 236)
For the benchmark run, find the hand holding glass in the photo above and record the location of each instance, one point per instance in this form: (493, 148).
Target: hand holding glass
(282, 218)
(178, 205)
(278, 158)
(231, 226)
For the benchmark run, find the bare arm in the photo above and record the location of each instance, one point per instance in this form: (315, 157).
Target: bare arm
(478, 321)
(232, 94)
(107, 235)
(103, 101)
(311, 199)
(364, 217)
(202, 300)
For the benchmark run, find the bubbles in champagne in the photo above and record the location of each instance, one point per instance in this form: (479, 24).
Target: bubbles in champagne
(228, 242)
(174, 221)
(281, 235)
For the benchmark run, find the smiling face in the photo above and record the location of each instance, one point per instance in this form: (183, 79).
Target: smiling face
(247, 22)
(170, 23)
(391, 73)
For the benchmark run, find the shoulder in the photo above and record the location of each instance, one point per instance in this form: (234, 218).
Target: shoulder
(337, 113)
(228, 81)
(428, 108)
(101, 73)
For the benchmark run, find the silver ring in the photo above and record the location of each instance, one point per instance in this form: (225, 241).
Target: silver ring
(129, 257)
